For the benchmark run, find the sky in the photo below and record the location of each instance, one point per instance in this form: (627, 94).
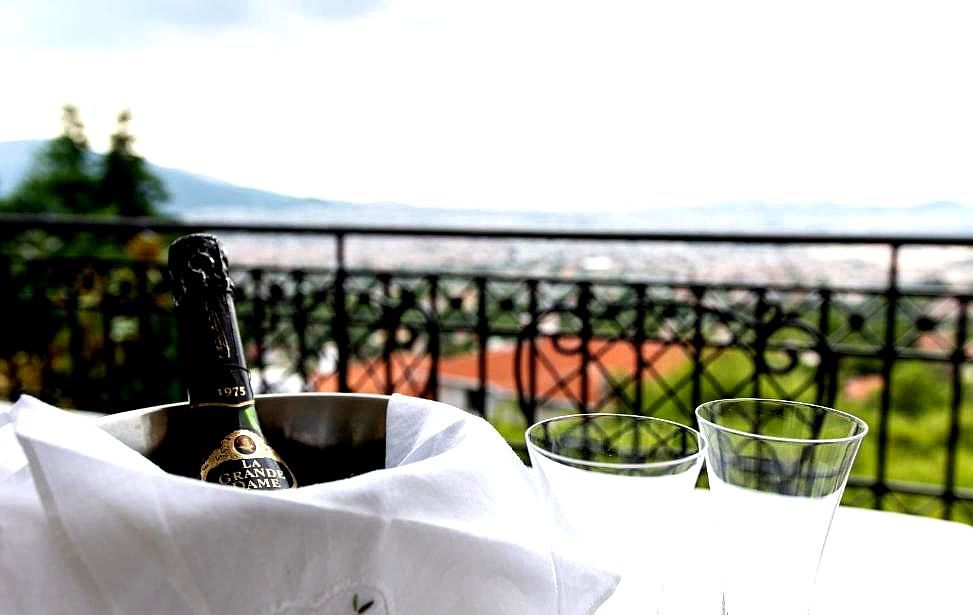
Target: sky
(516, 104)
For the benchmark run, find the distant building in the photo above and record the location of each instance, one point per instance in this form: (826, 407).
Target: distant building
(557, 373)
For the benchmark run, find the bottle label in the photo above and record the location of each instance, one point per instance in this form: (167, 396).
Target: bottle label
(245, 460)
(229, 388)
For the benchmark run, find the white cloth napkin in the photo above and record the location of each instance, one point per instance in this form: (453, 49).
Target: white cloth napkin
(452, 526)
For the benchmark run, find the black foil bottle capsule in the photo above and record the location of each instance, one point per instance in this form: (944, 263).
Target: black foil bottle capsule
(226, 438)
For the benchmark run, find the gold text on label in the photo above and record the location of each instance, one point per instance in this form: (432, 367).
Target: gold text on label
(253, 475)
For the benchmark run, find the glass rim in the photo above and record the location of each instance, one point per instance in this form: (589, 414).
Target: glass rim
(784, 402)
(700, 439)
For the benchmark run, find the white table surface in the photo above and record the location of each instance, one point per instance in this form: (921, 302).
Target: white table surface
(874, 563)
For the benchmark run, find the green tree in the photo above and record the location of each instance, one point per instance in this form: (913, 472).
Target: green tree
(60, 179)
(96, 321)
(67, 178)
(126, 186)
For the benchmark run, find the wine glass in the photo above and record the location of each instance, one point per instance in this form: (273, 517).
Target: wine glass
(616, 486)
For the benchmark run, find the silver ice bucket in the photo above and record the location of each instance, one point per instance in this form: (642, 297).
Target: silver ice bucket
(322, 436)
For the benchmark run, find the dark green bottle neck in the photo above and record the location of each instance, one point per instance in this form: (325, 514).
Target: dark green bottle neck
(223, 395)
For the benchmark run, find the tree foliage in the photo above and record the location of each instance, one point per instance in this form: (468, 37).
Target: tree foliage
(87, 292)
(126, 186)
(60, 179)
(66, 177)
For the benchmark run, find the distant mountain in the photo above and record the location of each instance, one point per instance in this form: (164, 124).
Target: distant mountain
(940, 218)
(202, 199)
(15, 159)
(186, 190)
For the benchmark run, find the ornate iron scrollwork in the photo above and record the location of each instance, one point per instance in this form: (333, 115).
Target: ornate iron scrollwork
(698, 331)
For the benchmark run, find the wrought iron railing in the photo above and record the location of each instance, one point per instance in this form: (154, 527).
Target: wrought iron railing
(97, 333)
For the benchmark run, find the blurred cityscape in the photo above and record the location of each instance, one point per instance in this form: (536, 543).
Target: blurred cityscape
(198, 200)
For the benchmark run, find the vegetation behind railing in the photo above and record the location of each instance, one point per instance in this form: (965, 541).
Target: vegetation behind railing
(97, 333)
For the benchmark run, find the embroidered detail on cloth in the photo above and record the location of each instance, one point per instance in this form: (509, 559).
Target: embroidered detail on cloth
(356, 600)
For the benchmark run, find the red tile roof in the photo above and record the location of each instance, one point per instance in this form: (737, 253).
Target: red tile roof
(558, 369)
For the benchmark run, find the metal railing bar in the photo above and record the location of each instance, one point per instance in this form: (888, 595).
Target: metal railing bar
(77, 224)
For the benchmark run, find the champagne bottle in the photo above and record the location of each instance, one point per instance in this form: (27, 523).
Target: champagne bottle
(227, 442)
